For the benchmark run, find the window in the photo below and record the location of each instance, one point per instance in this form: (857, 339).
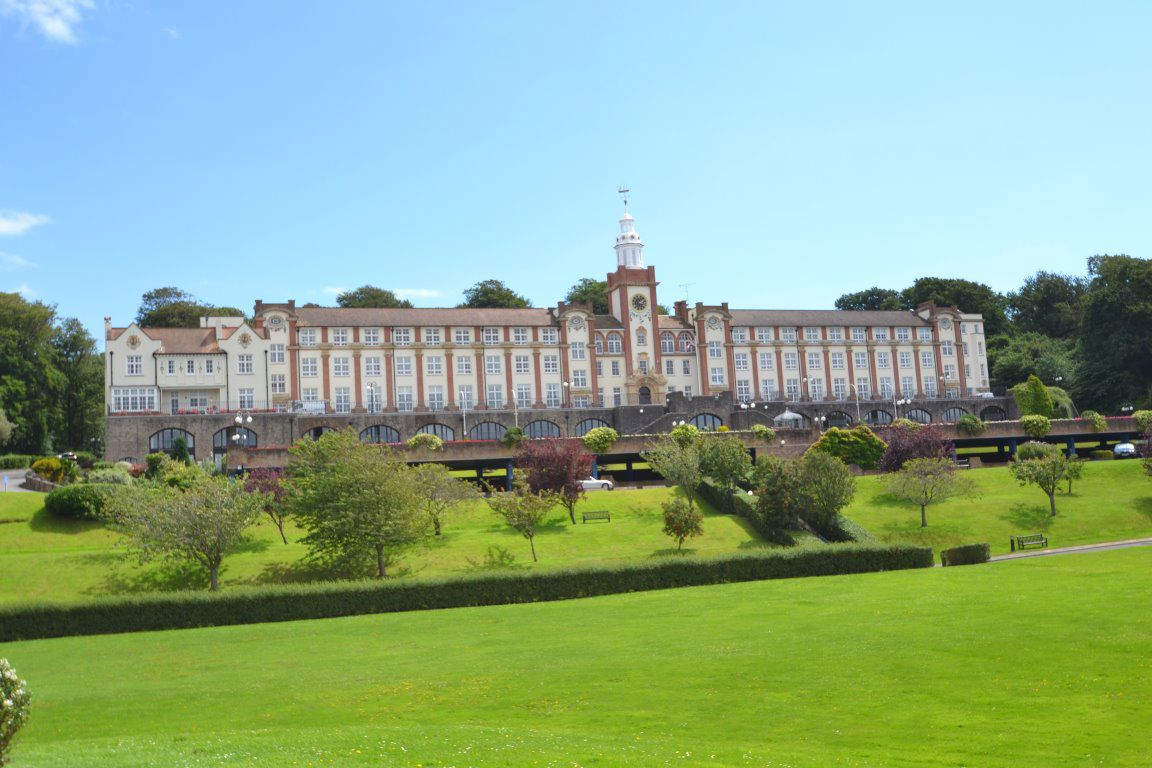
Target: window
(667, 343)
(599, 367)
(403, 365)
(580, 401)
(580, 378)
(811, 334)
(276, 353)
(343, 399)
(906, 386)
(578, 350)
(371, 337)
(133, 399)
(886, 386)
(600, 397)
(463, 363)
(190, 367)
(924, 334)
(552, 395)
(599, 344)
(247, 398)
(947, 349)
(763, 334)
(551, 363)
(279, 383)
(466, 396)
(880, 334)
(307, 337)
(686, 343)
(341, 366)
(740, 335)
(243, 363)
(816, 389)
(375, 403)
(523, 396)
(171, 367)
(859, 334)
(688, 390)
(930, 386)
(432, 337)
(883, 359)
(615, 343)
(372, 366)
(835, 334)
(311, 395)
(903, 334)
(860, 359)
(840, 389)
(521, 364)
(715, 350)
(617, 397)
(615, 367)
(926, 359)
(404, 398)
(209, 366)
(717, 375)
(743, 390)
(905, 359)
(519, 335)
(495, 396)
(863, 388)
(669, 367)
(686, 367)
(979, 347)
(644, 365)
(491, 336)
(133, 365)
(792, 389)
(768, 389)
(549, 336)
(308, 366)
(791, 361)
(814, 361)
(788, 334)
(837, 359)
(741, 361)
(492, 364)
(949, 372)
(965, 345)
(766, 361)
(339, 337)
(434, 364)
(402, 337)
(436, 397)
(641, 338)
(462, 336)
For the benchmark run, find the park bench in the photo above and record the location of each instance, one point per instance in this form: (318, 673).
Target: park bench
(963, 464)
(598, 514)
(1030, 540)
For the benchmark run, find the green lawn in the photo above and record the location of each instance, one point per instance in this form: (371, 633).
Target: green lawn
(1112, 502)
(44, 558)
(1039, 662)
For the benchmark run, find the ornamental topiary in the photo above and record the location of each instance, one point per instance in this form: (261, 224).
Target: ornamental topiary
(970, 425)
(1098, 422)
(1035, 425)
(14, 705)
(601, 439)
(763, 431)
(425, 441)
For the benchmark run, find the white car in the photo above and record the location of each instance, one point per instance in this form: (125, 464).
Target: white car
(1124, 451)
(596, 484)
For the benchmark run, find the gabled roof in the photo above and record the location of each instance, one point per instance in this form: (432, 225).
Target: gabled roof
(419, 316)
(180, 341)
(821, 317)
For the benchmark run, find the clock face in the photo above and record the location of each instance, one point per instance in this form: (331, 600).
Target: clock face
(275, 320)
(945, 325)
(639, 303)
(713, 323)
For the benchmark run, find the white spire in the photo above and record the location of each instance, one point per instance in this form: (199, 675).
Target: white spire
(629, 249)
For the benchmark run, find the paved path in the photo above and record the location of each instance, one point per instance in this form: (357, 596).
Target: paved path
(1102, 546)
(15, 478)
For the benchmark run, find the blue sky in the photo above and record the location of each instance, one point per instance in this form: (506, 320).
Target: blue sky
(780, 154)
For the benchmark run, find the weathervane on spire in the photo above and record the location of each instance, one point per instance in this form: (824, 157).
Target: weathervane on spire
(623, 192)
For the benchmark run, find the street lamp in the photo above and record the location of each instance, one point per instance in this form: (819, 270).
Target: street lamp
(820, 420)
(902, 401)
(567, 400)
(856, 397)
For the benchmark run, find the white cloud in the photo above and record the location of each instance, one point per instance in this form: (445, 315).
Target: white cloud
(418, 293)
(25, 291)
(172, 32)
(56, 19)
(19, 222)
(10, 261)
(332, 290)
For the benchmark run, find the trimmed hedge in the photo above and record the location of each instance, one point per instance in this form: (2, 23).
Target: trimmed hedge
(855, 531)
(82, 500)
(183, 610)
(1101, 455)
(17, 461)
(967, 554)
(743, 505)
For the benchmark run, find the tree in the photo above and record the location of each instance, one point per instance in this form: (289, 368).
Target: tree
(201, 525)
(1050, 305)
(965, 294)
(30, 383)
(1015, 357)
(678, 462)
(495, 295)
(82, 397)
(681, 521)
(522, 509)
(726, 460)
(369, 296)
(1075, 471)
(825, 487)
(928, 481)
(171, 307)
(1035, 425)
(777, 488)
(870, 299)
(556, 467)
(1045, 472)
(906, 442)
(1033, 398)
(439, 493)
(600, 439)
(356, 501)
(5, 428)
(15, 703)
(269, 484)
(1116, 334)
(858, 445)
(591, 292)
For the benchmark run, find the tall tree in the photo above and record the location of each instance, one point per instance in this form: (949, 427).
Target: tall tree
(30, 382)
(1049, 304)
(726, 460)
(1115, 367)
(1014, 357)
(81, 400)
(589, 291)
(5, 428)
(369, 296)
(171, 307)
(965, 294)
(556, 467)
(523, 509)
(826, 486)
(493, 294)
(269, 484)
(677, 461)
(871, 299)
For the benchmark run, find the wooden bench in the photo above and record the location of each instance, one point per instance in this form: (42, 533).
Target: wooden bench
(1030, 540)
(598, 514)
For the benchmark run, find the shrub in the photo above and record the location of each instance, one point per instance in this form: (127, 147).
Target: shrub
(112, 475)
(967, 554)
(723, 428)
(903, 423)
(14, 704)
(970, 425)
(425, 441)
(49, 468)
(1143, 420)
(685, 434)
(513, 437)
(16, 461)
(912, 442)
(80, 501)
(1101, 455)
(600, 439)
(1033, 397)
(85, 459)
(763, 431)
(1098, 422)
(137, 613)
(1034, 450)
(859, 446)
(1035, 425)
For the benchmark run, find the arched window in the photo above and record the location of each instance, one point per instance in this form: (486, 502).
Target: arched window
(615, 343)
(708, 422)
(877, 418)
(589, 424)
(641, 338)
(538, 429)
(954, 414)
(379, 433)
(667, 343)
(599, 344)
(315, 432)
(487, 430)
(241, 436)
(687, 344)
(645, 396)
(838, 419)
(993, 413)
(920, 416)
(442, 431)
(162, 441)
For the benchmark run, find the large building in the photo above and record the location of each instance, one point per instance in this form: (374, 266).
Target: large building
(440, 369)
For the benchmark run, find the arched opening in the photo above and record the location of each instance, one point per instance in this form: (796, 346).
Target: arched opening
(162, 441)
(993, 413)
(645, 396)
(953, 414)
(487, 430)
(541, 428)
(920, 416)
(667, 343)
(709, 422)
(315, 432)
(877, 418)
(442, 431)
(615, 343)
(686, 343)
(239, 436)
(587, 425)
(379, 433)
(838, 419)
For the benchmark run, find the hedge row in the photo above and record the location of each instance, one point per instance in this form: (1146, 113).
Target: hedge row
(967, 554)
(181, 610)
(81, 500)
(16, 461)
(743, 505)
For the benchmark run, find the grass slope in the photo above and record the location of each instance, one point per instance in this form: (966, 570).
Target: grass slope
(977, 666)
(45, 558)
(1112, 502)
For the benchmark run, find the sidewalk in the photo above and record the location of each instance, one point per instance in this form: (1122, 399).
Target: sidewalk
(1104, 545)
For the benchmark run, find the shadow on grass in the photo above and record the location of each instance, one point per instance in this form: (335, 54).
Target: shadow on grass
(1032, 517)
(497, 558)
(673, 552)
(43, 522)
(1144, 506)
(165, 577)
